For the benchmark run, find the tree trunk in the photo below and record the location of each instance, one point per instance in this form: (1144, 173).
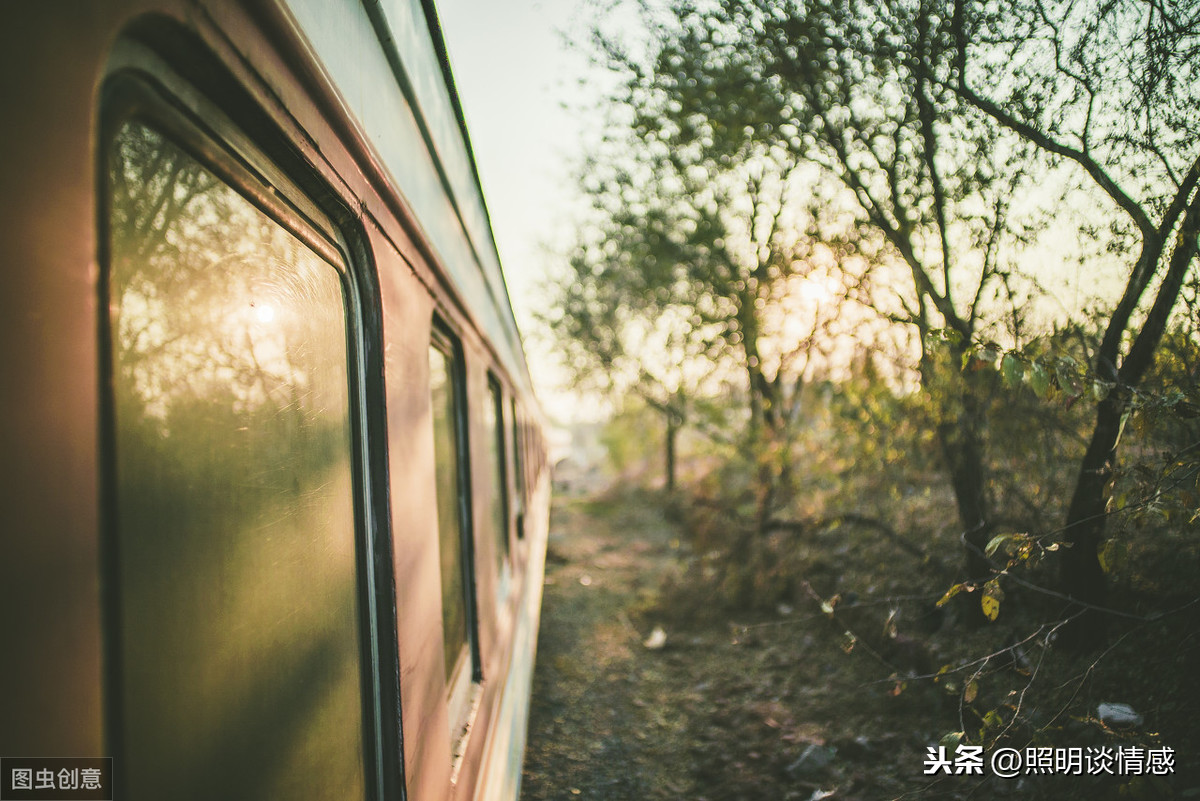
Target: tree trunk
(960, 432)
(761, 433)
(672, 432)
(1080, 573)
(962, 448)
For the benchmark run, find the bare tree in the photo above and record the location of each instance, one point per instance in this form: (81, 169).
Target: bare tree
(859, 89)
(690, 258)
(1111, 87)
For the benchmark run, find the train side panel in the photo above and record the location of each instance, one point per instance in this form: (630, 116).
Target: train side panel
(363, 130)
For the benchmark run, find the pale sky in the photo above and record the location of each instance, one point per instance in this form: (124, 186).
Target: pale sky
(515, 73)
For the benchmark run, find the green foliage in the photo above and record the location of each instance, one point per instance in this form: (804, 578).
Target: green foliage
(903, 175)
(875, 421)
(633, 437)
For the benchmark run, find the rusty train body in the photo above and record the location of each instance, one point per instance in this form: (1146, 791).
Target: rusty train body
(275, 490)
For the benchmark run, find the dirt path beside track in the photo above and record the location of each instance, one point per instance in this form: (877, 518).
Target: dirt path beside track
(607, 720)
(763, 707)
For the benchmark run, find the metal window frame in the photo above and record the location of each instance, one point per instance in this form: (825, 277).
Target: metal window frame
(502, 466)
(460, 696)
(254, 157)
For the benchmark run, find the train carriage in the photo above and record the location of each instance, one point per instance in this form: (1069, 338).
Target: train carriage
(275, 491)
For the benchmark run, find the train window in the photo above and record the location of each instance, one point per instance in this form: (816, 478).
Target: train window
(239, 670)
(453, 510)
(518, 469)
(498, 460)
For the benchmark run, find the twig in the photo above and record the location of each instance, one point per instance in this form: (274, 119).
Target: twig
(802, 526)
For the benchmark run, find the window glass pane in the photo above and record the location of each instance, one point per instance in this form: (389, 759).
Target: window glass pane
(443, 380)
(240, 672)
(494, 422)
(518, 446)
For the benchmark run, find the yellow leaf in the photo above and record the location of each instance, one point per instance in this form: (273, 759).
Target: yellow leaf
(991, 598)
(971, 691)
(950, 593)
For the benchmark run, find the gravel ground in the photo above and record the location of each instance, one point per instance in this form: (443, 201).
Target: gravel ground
(722, 711)
(605, 723)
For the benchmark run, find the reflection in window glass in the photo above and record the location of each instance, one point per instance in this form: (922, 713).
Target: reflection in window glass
(238, 619)
(493, 419)
(444, 377)
(518, 469)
